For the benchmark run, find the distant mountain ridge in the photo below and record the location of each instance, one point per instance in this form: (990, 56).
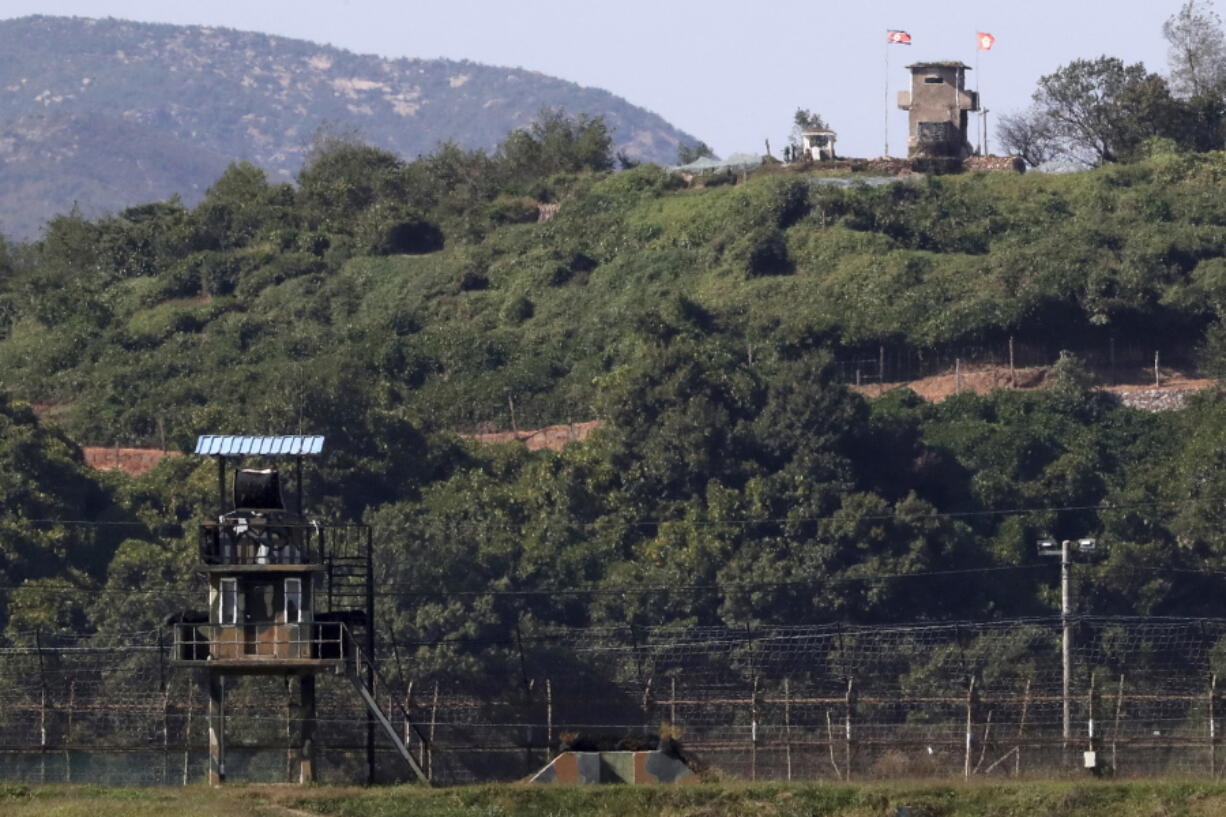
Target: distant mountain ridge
(108, 113)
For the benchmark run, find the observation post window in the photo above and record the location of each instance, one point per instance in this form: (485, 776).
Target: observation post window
(293, 601)
(228, 601)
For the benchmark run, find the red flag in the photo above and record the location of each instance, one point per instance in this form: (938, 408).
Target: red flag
(897, 37)
(986, 41)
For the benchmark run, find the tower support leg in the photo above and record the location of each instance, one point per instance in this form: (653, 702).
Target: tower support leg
(306, 757)
(217, 729)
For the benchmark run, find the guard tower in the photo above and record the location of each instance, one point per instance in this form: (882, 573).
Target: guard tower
(287, 595)
(818, 144)
(938, 104)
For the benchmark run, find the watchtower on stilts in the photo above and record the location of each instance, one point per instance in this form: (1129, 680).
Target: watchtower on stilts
(287, 595)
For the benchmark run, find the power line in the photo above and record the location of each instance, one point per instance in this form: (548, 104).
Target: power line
(779, 520)
(401, 590)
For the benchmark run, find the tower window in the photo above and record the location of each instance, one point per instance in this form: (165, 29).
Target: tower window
(934, 81)
(293, 601)
(228, 602)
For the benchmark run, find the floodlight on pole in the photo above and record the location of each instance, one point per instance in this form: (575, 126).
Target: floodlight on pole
(1048, 546)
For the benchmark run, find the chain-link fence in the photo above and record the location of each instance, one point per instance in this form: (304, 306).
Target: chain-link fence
(1013, 363)
(804, 702)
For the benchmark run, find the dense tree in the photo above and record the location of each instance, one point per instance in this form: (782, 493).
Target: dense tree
(1027, 134)
(239, 206)
(42, 479)
(1095, 111)
(342, 179)
(687, 153)
(1197, 53)
(1101, 110)
(557, 143)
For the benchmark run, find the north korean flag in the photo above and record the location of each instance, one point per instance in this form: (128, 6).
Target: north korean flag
(986, 41)
(897, 37)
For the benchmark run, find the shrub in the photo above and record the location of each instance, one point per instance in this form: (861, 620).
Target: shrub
(412, 237)
(513, 210)
(518, 310)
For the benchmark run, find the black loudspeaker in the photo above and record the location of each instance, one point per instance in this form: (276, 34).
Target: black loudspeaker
(258, 491)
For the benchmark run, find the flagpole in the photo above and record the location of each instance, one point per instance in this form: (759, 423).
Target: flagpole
(978, 98)
(886, 107)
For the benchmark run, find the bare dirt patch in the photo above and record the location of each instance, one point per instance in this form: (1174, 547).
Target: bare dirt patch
(985, 379)
(555, 438)
(132, 461)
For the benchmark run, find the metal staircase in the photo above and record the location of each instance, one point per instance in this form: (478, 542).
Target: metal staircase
(350, 599)
(355, 671)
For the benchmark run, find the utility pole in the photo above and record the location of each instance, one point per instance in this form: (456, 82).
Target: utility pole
(1066, 645)
(1064, 549)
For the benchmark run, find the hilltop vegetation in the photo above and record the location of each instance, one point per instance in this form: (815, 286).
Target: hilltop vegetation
(386, 304)
(435, 283)
(110, 113)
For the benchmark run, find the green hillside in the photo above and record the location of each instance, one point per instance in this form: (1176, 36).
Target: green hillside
(433, 283)
(387, 304)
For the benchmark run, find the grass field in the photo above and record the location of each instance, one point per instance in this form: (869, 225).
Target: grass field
(1063, 799)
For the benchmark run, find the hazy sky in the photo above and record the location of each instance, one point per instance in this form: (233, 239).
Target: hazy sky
(729, 73)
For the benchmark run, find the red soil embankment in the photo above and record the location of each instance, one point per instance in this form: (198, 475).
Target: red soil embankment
(555, 438)
(132, 461)
(1141, 389)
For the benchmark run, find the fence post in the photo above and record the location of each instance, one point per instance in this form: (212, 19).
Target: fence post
(881, 364)
(970, 727)
(289, 730)
(72, 699)
(753, 732)
(166, 707)
(1021, 728)
(421, 746)
(1111, 355)
(850, 701)
(406, 725)
(548, 719)
(1012, 371)
(165, 729)
(1090, 742)
(1212, 727)
(787, 724)
(983, 746)
(1157, 378)
(187, 736)
(42, 710)
(672, 701)
(433, 724)
(1115, 732)
(838, 775)
(957, 375)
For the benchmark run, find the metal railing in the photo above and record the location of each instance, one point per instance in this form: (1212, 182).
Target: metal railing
(259, 540)
(262, 641)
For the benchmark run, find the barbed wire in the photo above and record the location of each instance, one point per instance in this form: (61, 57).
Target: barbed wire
(742, 697)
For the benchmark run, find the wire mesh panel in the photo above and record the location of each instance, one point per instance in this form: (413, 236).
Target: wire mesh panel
(800, 702)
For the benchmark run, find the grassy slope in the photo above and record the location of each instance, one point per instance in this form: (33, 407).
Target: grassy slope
(1063, 799)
